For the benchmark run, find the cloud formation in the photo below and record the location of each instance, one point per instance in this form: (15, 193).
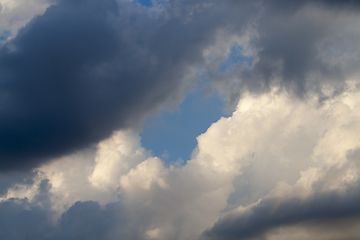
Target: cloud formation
(278, 166)
(86, 68)
(83, 69)
(78, 80)
(300, 46)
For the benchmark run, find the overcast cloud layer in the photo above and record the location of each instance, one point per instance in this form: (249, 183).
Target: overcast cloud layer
(78, 78)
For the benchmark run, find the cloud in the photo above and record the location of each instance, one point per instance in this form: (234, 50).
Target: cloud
(16, 14)
(300, 46)
(322, 210)
(84, 69)
(304, 178)
(278, 165)
(22, 219)
(78, 80)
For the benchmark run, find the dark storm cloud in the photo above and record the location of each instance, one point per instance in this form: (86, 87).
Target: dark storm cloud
(283, 4)
(10, 179)
(86, 68)
(87, 220)
(270, 213)
(21, 219)
(294, 44)
(24, 219)
(290, 33)
(33, 220)
(323, 211)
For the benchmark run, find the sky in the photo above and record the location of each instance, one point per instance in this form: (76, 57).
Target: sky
(179, 119)
(172, 134)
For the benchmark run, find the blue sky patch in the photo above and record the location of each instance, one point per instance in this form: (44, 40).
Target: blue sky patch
(147, 3)
(235, 58)
(5, 35)
(172, 135)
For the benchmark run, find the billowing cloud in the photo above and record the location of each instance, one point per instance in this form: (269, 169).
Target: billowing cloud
(79, 71)
(278, 165)
(300, 46)
(308, 180)
(79, 78)
(84, 69)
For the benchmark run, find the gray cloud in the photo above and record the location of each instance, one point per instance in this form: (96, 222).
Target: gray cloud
(84, 220)
(290, 33)
(86, 68)
(9, 179)
(270, 214)
(24, 219)
(87, 220)
(301, 159)
(31, 220)
(299, 46)
(324, 211)
(21, 219)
